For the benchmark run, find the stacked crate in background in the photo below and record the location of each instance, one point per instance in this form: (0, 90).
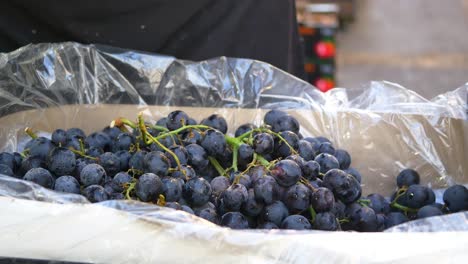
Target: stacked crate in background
(318, 24)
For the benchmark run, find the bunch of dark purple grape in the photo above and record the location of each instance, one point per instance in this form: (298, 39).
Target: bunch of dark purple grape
(263, 177)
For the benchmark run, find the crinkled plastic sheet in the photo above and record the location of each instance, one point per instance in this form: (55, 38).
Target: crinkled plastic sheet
(39, 77)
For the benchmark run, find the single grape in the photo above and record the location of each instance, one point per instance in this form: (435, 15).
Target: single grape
(395, 218)
(162, 122)
(156, 162)
(362, 218)
(61, 161)
(286, 172)
(252, 207)
(40, 147)
(208, 214)
(176, 119)
(407, 177)
(242, 129)
(40, 176)
(234, 197)
(314, 143)
(59, 137)
(339, 209)
(94, 152)
(76, 132)
(219, 184)
(214, 142)
(124, 141)
(322, 200)
(92, 174)
(189, 173)
(381, 218)
(327, 162)
(353, 172)
(5, 170)
(198, 158)
(273, 116)
(217, 122)
(267, 225)
(191, 136)
(275, 213)
(173, 205)
(305, 149)
(172, 189)
(297, 198)
(95, 193)
(378, 203)
(67, 184)
(75, 142)
(456, 198)
(186, 208)
(245, 154)
(112, 132)
(265, 189)
(326, 147)
(296, 222)
(326, 221)
(285, 123)
(31, 162)
(110, 162)
(99, 140)
(298, 159)
(121, 180)
(234, 220)
(263, 143)
(149, 187)
(428, 211)
(343, 157)
(257, 172)
(281, 148)
(345, 187)
(197, 191)
(137, 161)
(418, 196)
(124, 157)
(311, 170)
(181, 154)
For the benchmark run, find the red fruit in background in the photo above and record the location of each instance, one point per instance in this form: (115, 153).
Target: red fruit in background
(325, 49)
(324, 84)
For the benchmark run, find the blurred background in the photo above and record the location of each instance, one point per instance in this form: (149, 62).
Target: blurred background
(420, 44)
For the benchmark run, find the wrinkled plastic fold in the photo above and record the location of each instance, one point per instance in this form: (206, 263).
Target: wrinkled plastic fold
(384, 126)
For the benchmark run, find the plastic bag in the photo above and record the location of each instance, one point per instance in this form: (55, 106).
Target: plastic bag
(385, 127)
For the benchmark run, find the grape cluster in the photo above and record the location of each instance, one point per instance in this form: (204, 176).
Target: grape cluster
(266, 177)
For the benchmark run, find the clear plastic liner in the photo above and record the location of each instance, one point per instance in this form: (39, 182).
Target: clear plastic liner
(384, 126)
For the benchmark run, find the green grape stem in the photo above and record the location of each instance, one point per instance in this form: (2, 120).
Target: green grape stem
(312, 214)
(398, 206)
(30, 133)
(82, 147)
(307, 184)
(364, 202)
(81, 153)
(128, 191)
(177, 131)
(161, 200)
(217, 166)
(159, 128)
(343, 220)
(24, 153)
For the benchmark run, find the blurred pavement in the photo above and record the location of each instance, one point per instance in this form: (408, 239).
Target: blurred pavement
(420, 44)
